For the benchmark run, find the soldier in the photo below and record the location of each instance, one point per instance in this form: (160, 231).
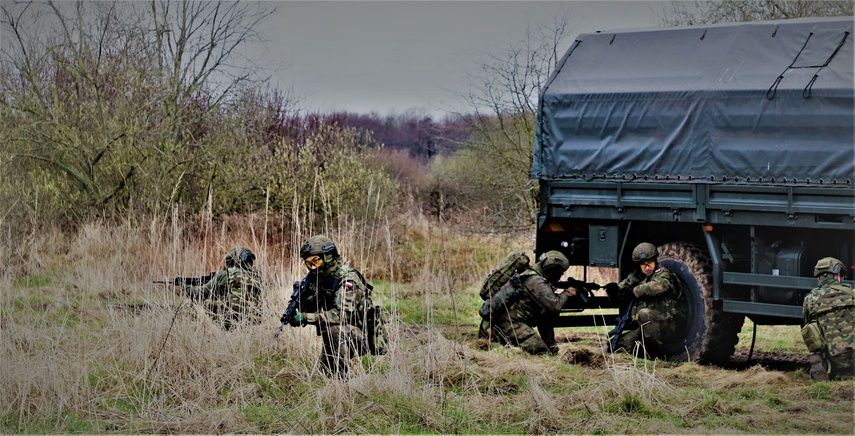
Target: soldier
(829, 323)
(233, 293)
(658, 311)
(529, 300)
(342, 298)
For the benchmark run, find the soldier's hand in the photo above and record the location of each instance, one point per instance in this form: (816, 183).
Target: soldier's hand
(297, 320)
(571, 291)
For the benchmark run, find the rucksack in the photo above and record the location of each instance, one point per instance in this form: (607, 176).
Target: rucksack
(501, 301)
(376, 336)
(514, 262)
(374, 325)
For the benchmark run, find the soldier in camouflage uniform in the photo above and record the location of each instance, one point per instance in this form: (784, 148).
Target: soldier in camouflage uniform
(341, 297)
(233, 294)
(658, 313)
(530, 300)
(829, 323)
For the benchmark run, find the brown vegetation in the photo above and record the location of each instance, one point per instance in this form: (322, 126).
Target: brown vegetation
(91, 345)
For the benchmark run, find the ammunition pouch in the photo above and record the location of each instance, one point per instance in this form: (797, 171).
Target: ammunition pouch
(812, 336)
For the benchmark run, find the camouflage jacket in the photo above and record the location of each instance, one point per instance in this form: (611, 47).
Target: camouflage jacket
(341, 296)
(658, 292)
(536, 300)
(832, 306)
(233, 292)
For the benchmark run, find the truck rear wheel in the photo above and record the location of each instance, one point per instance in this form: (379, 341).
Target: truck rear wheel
(709, 336)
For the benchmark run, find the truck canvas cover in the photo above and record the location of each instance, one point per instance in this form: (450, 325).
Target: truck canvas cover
(759, 102)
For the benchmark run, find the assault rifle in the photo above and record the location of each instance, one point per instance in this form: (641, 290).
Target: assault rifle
(188, 281)
(623, 320)
(299, 298)
(584, 288)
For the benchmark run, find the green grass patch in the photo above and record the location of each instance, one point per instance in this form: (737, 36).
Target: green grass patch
(32, 281)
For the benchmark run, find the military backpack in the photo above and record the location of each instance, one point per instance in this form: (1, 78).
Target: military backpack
(376, 337)
(514, 262)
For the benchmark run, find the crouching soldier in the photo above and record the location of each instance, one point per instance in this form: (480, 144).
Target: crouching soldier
(657, 312)
(233, 295)
(528, 300)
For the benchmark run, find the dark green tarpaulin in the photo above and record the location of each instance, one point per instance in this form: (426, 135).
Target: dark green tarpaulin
(762, 102)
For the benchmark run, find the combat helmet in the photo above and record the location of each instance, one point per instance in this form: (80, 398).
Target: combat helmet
(318, 245)
(324, 248)
(644, 251)
(828, 265)
(239, 256)
(553, 263)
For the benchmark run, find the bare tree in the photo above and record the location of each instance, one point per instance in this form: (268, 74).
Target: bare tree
(197, 43)
(686, 13)
(68, 72)
(104, 104)
(503, 99)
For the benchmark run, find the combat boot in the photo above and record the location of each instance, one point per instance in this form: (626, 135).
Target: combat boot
(818, 371)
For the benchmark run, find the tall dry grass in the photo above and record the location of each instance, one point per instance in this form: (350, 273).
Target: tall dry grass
(90, 345)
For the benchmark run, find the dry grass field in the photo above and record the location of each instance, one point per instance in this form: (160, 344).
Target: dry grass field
(91, 345)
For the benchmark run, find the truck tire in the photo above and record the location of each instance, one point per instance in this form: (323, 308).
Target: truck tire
(709, 336)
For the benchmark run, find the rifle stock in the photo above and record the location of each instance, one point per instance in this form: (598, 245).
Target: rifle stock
(188, 281)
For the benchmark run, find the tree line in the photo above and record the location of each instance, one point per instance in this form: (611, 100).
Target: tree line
(124, 109)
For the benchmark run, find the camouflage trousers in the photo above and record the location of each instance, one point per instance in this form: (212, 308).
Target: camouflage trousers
(517, 334)
(341, 343)
(229, 317)
(654, 327)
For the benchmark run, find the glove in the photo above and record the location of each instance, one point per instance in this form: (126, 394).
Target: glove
(297, 320)
(612, 290)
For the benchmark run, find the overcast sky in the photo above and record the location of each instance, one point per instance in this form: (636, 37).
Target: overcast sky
(391, 56)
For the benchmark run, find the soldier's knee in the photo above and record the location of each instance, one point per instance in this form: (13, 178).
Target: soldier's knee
(645, 316)
(484, 329)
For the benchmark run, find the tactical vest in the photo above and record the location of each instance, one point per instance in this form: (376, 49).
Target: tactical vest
(366, 316)
(835, 315)
(243, 291)
(669, 303)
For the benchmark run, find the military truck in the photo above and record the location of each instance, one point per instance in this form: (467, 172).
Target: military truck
(731, 147)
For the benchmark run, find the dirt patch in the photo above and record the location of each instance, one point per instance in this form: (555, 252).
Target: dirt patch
(771, 361)
(756, 375)
(843, 392)
(582, 357)
(577, 336)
